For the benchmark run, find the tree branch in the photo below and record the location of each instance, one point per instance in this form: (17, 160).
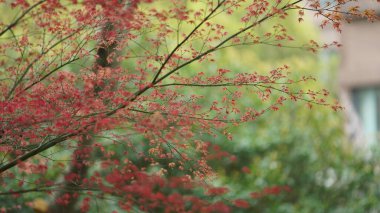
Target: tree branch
(187, 38)
(21, 17)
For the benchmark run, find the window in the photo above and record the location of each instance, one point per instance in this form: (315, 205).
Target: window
(367, 105)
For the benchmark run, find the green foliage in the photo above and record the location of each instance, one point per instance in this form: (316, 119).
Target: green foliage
(300, 148)
(306, 151)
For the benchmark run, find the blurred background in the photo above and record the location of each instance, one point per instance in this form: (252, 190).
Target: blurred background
(330, 160)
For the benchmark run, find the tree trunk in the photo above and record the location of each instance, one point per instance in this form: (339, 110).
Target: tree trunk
(78, 169)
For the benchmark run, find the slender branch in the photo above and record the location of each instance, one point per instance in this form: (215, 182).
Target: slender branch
(39, 149)
(207, 85)
(18, 81)
(23, 191)
(295, 93)
(39, 189)
(224, 41)
(188, 116)
(227, 84)
(49, 73)
(187, 38)
(21, 17)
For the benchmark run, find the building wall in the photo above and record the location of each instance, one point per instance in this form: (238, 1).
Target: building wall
(360, 66)
(359, 79)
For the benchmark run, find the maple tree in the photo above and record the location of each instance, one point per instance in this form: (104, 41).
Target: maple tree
(119, 86)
